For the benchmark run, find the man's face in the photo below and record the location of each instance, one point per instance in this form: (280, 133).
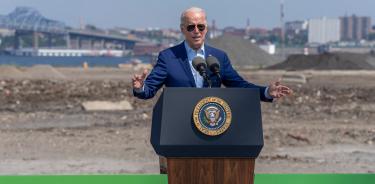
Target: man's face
(194, 29)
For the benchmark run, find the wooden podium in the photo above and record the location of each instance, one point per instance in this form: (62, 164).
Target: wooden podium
(196, 158)
(211, 170)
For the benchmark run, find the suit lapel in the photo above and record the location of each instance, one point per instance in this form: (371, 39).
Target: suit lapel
(184, 61)
(206, 53)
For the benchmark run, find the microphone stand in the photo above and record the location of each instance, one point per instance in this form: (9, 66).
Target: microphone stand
(219, 78)
(205, 77)
(209, 83)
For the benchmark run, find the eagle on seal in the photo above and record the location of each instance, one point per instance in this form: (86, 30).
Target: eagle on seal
(212, 114)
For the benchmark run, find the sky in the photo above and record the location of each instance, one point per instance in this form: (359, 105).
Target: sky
(166, 13)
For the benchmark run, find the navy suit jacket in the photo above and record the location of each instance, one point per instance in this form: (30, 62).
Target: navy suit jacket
(172, 69)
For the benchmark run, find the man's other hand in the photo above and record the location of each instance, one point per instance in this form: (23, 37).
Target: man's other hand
(276, 90)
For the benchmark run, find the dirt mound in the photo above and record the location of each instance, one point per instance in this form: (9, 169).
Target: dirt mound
(327, 61)
(44, 72)
(11, 72)
(242, 52)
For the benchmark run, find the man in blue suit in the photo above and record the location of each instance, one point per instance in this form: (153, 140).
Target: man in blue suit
(174, 65)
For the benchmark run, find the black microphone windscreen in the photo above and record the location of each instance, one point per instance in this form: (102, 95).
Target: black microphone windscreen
(213, 63)
(198, 62)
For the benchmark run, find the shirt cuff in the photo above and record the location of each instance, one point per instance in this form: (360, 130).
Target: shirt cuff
(140, 90)
(267, 95)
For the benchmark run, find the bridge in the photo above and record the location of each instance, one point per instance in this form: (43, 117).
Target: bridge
(28, 21)
(76, 39)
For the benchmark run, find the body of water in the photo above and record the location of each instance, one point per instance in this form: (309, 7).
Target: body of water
(27, 61)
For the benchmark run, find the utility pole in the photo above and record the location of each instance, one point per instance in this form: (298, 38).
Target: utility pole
(282, 36)
(247, 27)
(213, 32)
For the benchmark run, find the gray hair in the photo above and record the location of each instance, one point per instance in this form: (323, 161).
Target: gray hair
(192, 9)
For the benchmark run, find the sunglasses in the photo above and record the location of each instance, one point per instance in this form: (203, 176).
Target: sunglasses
(191, 28)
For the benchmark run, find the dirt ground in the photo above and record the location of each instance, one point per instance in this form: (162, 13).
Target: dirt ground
(326, 126)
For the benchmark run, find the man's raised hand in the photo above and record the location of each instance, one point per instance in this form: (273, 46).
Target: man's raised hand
(138, 80)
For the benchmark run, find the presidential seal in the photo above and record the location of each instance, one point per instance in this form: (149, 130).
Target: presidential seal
(212, 116)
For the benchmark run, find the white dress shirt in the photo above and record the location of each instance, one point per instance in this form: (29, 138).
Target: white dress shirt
(191, 54)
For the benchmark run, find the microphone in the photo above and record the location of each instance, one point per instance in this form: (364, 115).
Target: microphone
(214, 66)
(200, 65)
